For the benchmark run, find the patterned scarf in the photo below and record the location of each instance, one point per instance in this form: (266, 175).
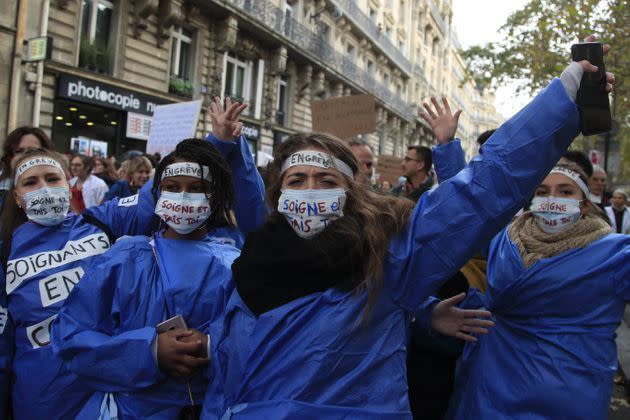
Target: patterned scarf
(534, 244)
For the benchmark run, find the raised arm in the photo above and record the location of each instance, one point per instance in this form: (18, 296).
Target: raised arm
(466, 211)
(249, 188)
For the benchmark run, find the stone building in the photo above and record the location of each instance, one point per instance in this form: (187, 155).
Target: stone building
(113, 61)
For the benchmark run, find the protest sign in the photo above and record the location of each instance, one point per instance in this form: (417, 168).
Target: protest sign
(171, 124)
(345, 116)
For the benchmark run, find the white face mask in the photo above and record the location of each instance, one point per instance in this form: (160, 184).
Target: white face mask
(310, 211)
(554, 214)
(184, 212)
(47, 206)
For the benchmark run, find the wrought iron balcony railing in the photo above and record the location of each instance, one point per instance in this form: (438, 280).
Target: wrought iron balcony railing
(316, 45)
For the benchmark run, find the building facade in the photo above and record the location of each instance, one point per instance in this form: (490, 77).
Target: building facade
(113, 61)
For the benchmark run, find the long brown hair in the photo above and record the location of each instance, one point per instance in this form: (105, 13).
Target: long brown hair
(377, 217)
(12, 142)
(13, 216)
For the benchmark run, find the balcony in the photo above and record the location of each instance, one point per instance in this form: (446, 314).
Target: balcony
(306, 41)
(438, 17)
(354, 13)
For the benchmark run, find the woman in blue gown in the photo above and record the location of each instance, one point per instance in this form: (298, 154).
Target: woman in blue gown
(316, 326)
(106, 332)
(558, 283)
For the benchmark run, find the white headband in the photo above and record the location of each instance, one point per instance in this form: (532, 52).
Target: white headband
(574, 176)
(187, 169)
(319, 159)
(36, 161)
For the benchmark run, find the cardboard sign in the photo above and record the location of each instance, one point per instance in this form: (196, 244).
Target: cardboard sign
(345, 116)
(389, 168)
(171, 124)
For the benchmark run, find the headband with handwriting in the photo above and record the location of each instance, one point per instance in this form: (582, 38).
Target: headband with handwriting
(319, 159)
(36, 161)
(187, 169)
(573, 175)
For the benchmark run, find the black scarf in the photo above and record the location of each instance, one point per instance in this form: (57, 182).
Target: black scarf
(276, 266)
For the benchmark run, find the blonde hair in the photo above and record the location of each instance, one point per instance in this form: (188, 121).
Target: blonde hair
(135, 164)
(377, 217)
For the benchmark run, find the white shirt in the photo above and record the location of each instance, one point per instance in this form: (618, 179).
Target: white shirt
(625, 222)
(94, 189)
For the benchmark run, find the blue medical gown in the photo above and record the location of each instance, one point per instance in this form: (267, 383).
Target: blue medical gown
(314, 357)
(106, 329)
(43, 267)
(552, 352)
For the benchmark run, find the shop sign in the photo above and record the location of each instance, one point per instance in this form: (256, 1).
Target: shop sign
(97, 93)
(250, 131)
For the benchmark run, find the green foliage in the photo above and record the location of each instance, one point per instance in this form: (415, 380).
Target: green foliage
(95, 56)
(536, 47)
(180, 87)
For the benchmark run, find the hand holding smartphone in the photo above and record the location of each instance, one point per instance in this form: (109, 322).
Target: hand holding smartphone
(175, 323)
(592, 97)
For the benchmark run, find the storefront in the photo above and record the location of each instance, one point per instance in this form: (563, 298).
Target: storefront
(252, 134)
(99, 119)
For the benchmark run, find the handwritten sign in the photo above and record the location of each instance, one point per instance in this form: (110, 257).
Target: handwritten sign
(346, 116)
(389, 168)
(171, 124)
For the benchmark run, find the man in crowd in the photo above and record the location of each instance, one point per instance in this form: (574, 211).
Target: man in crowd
(416, 166)
(619, 213)
(363, 152)
(597, 186)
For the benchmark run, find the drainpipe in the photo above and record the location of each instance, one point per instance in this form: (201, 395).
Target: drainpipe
(37, 100)
(16, 76)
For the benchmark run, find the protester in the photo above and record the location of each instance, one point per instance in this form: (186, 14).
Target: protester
(115, 351)
(87, 190)
(618, 212)
(416, 167)
(597, 186)
(316, 326)
(104, 168)
(580, 159)
(363, 153)
(17, 142)
(386, 187)
(561, 263)
(42, 248)
(138, 171)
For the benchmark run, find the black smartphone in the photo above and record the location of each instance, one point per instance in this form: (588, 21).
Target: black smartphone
(592, 98)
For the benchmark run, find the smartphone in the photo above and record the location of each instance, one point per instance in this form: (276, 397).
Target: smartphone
(175, 323)
(592, 98)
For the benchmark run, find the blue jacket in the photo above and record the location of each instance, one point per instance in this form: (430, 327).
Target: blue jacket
(106, 330)
(313, 358)
(552, 352)
(119, 189)
(43, 267)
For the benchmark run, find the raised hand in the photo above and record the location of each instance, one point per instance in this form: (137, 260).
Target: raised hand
(225, 122)
(588, 67)
(442, 121)
(447, 319)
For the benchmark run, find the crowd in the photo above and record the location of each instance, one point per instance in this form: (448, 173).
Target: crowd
(189, 288)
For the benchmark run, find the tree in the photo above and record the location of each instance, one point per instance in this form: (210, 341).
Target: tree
(536, 45)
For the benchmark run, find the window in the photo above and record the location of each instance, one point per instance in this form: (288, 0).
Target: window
(96, 22)
(282, 100)
(386, 79)
(287, 27)
(243, 81)
(373, 15)
(351, 50)
(370, 67)
(181, 53)
(324, 30)
(237, 78)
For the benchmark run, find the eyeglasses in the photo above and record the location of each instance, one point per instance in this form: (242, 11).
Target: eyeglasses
(407, 159)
